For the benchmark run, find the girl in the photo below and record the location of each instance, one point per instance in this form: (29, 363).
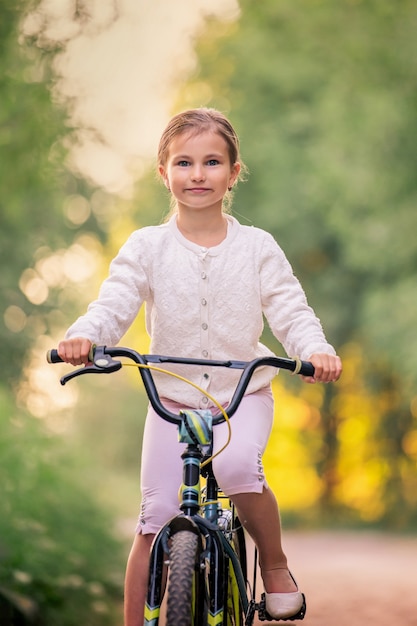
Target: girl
(207, 281)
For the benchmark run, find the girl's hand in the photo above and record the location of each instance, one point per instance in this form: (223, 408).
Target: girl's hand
(328, 368)
(75, 351)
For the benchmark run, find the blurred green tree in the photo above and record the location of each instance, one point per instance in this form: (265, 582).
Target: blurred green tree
(59, 560)
(34, 184)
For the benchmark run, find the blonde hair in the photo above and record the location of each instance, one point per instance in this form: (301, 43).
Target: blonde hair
(197, 121)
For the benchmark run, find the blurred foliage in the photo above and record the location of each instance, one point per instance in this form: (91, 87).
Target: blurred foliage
(38, 192)
(373, 479)
(59, 559)
(115, 408)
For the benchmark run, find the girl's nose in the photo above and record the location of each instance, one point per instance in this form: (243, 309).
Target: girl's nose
(197, 173)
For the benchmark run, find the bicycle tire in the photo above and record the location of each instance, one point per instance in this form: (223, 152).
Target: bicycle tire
(234, 615)
(184, 600)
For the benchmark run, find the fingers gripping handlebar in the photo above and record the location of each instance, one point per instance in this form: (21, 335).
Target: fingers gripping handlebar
(102, 362)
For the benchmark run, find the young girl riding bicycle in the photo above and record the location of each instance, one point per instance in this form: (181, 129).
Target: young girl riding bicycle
(206, 281)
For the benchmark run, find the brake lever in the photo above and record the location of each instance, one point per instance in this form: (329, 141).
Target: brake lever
(103, 364)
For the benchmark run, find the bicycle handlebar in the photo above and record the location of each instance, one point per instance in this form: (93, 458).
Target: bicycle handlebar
(103, 363)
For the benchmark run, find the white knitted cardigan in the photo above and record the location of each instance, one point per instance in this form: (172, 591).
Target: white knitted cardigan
(204, 303)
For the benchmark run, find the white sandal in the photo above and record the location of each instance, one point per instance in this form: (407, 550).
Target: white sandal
(285, 605)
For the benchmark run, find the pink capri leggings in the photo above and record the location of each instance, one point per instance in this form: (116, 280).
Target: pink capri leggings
(238, 468)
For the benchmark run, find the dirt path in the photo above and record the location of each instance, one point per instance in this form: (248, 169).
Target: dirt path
(355, 579)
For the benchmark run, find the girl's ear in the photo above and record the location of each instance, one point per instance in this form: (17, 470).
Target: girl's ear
(234, 174)
(164, 177)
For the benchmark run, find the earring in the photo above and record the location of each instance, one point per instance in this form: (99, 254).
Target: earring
(229, 188)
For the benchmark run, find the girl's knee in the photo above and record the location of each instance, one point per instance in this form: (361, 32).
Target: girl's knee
(239, 478)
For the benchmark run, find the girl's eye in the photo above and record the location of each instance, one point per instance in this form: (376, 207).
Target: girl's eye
(183, 163)
(212, 162)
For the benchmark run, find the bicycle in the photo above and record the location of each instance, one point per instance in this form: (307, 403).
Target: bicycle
(198, 562)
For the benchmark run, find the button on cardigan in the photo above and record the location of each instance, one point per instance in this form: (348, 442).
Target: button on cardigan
(204, 302)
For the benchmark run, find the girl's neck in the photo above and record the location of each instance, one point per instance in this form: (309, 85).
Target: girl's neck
(202, 229)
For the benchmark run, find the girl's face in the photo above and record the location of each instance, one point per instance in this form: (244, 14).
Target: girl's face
(198, 170)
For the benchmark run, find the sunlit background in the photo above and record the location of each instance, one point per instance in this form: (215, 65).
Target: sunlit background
(323, 97)
(120, 66)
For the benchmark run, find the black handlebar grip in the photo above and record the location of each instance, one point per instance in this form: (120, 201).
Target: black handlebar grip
(306, 369)
(52, 356)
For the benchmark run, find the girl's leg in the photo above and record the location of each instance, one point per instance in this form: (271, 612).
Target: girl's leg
(240, 474)
(160, 472)
(259, 514)
(136, 581)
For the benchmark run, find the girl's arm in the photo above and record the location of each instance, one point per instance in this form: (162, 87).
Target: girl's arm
(120, 298)
(291, 319)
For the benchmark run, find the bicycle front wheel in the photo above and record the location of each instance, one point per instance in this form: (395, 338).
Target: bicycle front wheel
(185, 602)
(234, 615)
